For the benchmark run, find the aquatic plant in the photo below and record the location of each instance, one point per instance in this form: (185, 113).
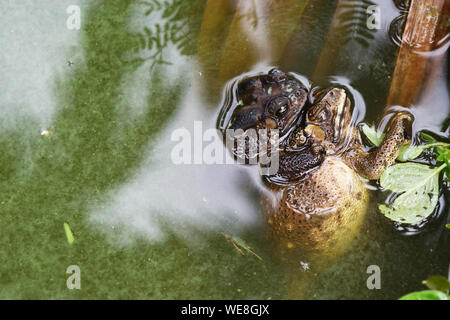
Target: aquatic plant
(438, 290)
(414, 186)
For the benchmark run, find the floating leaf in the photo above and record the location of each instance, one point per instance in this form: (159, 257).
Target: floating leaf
(437, 283)
(408, 152)
(426, 295)
(373, 135)
(402, 177)
(420, 185)
(69, 234)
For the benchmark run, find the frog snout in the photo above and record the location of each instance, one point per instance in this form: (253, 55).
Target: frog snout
(246, 118)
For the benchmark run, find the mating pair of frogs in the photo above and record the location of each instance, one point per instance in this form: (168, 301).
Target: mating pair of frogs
(317, 199)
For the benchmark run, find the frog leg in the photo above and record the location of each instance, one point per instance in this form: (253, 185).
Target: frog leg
(372, 164)
(293, 164)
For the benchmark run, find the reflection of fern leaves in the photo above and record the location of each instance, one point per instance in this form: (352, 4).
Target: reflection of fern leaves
(353, 22)
(169, 9)
(355, 32)
(160, 37)
(351, 3)
(152, 5)
(173, 10)
(157, 37)
(148, 35)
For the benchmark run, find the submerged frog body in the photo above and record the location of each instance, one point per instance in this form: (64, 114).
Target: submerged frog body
(317, 199)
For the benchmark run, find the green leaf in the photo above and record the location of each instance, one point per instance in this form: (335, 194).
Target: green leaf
(444, 154)
(447, 225)
(69, 234)
(439, 283)
(420, 187)
(444, 157)
(426, 295)
(373, 135)
(402, 177)
(408, 152)
(427, 137)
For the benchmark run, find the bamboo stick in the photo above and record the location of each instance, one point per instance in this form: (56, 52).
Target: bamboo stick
(427, 23)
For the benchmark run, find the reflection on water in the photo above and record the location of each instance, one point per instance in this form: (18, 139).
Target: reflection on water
(186, 200)
(168, 25)
(352, 22)
(31, 54)
(140, 70)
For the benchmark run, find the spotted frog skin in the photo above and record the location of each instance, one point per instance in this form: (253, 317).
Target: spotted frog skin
(317, 200)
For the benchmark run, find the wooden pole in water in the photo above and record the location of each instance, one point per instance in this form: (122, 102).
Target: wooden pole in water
(426, 25)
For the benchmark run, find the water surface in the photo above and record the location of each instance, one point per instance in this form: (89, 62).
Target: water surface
(112, 94)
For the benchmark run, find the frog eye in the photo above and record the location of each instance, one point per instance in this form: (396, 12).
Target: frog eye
(278, 107)
(281, 110)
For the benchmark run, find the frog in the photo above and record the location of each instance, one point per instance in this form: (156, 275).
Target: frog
(321, 209)
(318, 199)
(268, 101)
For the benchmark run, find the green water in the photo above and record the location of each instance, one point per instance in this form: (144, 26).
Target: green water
(144, 228)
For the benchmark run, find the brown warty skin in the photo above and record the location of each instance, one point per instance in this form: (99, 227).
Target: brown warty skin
(317, 200)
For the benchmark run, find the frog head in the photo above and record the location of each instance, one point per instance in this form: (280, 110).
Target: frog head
(326, 121)
(269, 101)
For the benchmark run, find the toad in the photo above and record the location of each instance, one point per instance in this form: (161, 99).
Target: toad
(317, 200)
